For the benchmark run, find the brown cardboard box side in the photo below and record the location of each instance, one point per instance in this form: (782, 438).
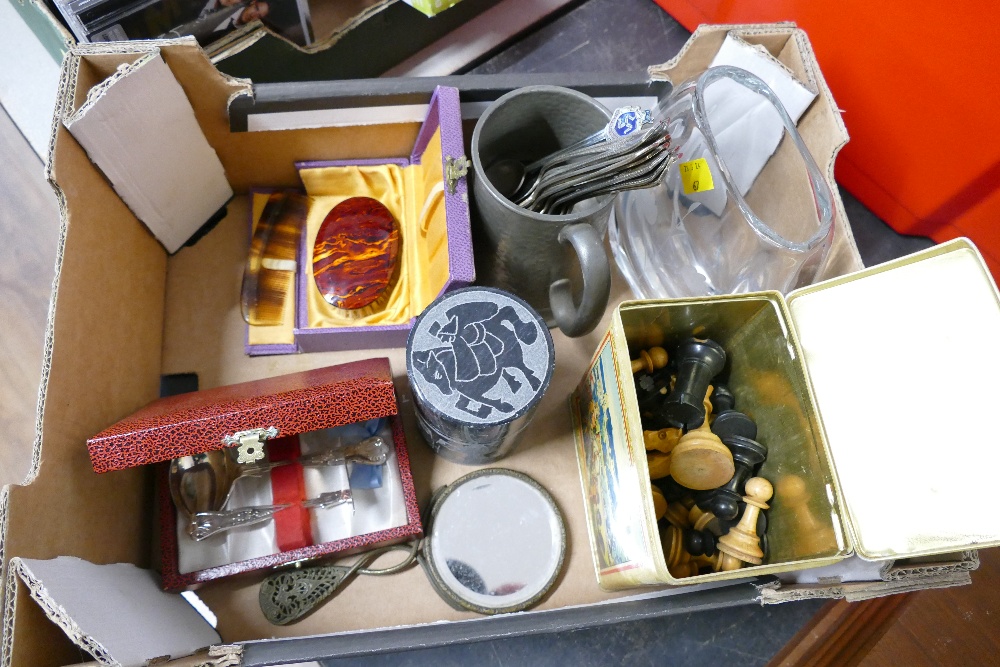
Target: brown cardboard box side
(124, 313)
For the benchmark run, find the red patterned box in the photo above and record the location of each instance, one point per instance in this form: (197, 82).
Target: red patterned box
(283, 410)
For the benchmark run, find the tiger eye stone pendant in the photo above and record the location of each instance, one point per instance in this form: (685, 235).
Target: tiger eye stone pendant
(356, 256)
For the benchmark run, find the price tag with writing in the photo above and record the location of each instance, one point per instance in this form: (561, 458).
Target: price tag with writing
(696, 176)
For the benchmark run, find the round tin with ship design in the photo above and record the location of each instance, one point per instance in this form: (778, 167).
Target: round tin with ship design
(478, 360)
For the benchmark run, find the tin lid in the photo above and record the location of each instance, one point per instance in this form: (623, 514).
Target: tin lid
(903, 362)
(200, 421)
(479, 356)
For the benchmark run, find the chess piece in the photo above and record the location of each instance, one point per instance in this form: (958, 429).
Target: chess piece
(698, 542)
(700, 461)
(651, 391)
(671, 539)
(650, 360)
(658, 464)
(663, 440)
(732, 422)
(688, 568)
(671, 489)
(659, 503)
(742, 541)
(704, 520)
(812, 536)
(698, 361)
(677, 515)
(722, 399)
(723, 562)
(703, 499)
(678, 560)
(747, 455)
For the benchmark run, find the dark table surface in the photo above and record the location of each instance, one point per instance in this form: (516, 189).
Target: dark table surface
(628, 36)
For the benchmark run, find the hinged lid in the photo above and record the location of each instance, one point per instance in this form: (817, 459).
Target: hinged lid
(445, 114)
(201, 421)
(903, 361)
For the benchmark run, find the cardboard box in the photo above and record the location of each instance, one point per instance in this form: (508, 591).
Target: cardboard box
(432, 209)
(831, 376)
(125, 312)
(278, 415)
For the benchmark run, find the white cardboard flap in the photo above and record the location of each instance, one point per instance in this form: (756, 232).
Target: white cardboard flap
(116, 612)
(140, 130)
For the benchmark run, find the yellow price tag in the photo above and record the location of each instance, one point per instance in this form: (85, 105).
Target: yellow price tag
(696, 176)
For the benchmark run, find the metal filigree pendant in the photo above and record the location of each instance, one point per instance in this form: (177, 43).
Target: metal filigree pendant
(288, 596)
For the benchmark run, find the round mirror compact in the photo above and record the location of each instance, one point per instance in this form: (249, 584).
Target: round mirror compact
(496, 542)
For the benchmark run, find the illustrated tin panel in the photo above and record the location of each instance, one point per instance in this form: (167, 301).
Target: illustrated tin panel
(610, 480)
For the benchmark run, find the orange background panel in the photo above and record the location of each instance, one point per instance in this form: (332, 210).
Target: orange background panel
(918, 84)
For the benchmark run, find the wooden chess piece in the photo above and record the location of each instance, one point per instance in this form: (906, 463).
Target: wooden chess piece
(678, 560)
(747, 455)
(700, 461)
(658, 464)
(698, 361)
(698, 542)
(742, 541)
(650, 360)
(663, 440)
(671, 489)
(812, 536)
(689, 568)
(672, 541)
(650, 391)
(733, 422)
(704, 520)
(677, 515)
(703, 499)
(722, 399)
(659, 502)
(723, 562)
(761, 520)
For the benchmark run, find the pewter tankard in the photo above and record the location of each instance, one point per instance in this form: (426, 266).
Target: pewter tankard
(556, 263)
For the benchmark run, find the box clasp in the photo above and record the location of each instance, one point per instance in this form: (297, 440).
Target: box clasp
(250, 443)
(455, 168)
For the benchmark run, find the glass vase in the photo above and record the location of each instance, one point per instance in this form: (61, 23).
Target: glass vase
(744, 209)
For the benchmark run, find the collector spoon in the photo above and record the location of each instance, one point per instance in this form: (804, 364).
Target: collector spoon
(206, 524)
(203, 482)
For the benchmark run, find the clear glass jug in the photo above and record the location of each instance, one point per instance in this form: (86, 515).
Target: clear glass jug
(745, 208)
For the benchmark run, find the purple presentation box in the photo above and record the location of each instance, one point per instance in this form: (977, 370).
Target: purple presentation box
(444, 112)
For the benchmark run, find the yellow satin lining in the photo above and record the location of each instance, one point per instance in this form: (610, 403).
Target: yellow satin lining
(327, 187)
(405, 192)
(432, 240)
(415, 196)
(283, 333)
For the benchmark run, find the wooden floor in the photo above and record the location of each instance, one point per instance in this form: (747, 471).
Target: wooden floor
(952, 626)
(29, 223)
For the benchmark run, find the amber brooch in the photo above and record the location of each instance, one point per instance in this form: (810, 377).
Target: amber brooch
(356, 256)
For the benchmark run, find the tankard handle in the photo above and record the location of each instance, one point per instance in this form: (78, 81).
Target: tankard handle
(579, 320)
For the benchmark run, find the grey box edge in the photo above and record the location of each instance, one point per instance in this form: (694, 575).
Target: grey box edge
(284, 97)
(391, 640)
